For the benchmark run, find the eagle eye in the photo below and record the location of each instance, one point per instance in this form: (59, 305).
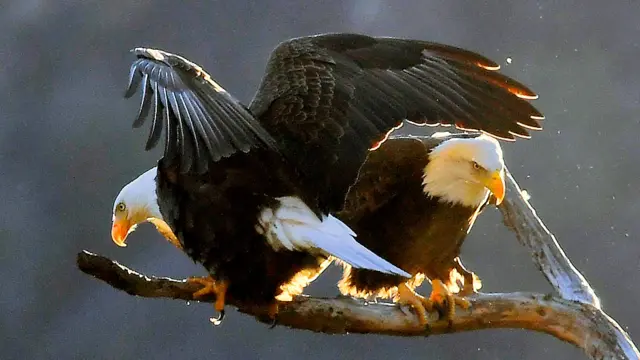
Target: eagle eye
(476, 165)
(121, 207)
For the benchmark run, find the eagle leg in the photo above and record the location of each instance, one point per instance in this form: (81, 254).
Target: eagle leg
(210, 286)
(445, 300)
(407, 296)
(472, 282)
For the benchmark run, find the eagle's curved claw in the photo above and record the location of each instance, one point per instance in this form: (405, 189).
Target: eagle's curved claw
(273, 315)
(274, 322)
(217, 321)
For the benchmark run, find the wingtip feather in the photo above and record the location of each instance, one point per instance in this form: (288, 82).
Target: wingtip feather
(133, 83)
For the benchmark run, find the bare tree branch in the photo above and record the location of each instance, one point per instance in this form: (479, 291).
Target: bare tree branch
(580, 324)
(521, 218)
(575, 318)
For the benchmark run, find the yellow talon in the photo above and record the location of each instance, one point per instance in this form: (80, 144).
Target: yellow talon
(443, 299)
(210, 286)
(422, 305)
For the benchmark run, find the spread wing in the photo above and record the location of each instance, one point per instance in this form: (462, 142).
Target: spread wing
(328, 99)
(202, 121)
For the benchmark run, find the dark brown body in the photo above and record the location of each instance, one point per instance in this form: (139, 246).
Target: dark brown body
(392, 216)
(212, 217)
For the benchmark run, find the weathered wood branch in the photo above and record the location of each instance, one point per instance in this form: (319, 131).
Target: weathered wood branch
(576, 317)
(580, 324)
(520, 217)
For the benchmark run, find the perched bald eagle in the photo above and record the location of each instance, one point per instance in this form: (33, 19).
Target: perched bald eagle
(248, 191)
(415, 201)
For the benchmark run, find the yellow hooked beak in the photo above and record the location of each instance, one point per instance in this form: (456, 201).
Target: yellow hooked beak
(119, 231)
(495, 184)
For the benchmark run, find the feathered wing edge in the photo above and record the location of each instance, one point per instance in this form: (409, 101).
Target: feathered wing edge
(202, 121)
(330, 98)
(293, 226)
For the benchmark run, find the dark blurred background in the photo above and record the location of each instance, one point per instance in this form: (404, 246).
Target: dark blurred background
(67, 147)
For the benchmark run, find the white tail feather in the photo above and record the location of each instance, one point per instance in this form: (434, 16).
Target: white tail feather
(293, 226)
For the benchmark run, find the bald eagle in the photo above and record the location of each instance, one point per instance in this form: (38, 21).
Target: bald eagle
(414, 202)
(248, 191)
